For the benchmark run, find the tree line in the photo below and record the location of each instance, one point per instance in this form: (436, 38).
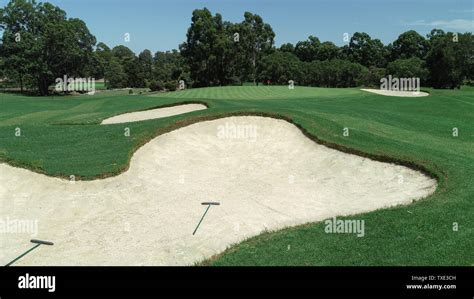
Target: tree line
(40, 43)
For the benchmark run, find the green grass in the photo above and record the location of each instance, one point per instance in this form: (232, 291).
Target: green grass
(61, 137)
(258, 93)
(100, 86)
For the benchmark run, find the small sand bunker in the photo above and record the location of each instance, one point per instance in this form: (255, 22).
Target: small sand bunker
(153, 113)
(394, 93)
(264, 172)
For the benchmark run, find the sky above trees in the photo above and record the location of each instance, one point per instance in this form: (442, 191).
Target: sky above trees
(161, 25)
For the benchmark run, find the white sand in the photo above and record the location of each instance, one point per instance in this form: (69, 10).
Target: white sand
(153, 113)
(394, 93)
(146, 216)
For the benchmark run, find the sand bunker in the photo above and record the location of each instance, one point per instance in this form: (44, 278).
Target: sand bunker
(153, 113)
(265, 173)
(393, 93)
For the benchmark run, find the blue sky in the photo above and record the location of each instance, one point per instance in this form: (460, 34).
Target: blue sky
(162, 24)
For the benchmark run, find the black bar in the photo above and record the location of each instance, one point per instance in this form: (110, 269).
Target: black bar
(262, 282)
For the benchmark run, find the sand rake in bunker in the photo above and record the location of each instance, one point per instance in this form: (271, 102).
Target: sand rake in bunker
(34, 241)
(208, 204)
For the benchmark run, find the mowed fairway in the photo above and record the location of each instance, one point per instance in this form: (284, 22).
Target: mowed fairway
(61, 136)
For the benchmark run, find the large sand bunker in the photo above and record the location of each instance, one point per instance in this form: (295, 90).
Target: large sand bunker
(153, 113)
(396, 93)
(265, 173)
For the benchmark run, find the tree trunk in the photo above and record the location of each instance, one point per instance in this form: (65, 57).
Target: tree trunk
(254, 64)
(21, 82)
(43, 86)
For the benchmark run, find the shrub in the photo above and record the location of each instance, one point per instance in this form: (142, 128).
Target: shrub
(170, 85)
(372, 77)
(156, 85)
(280, 67)
(334, 73)
(408, 68)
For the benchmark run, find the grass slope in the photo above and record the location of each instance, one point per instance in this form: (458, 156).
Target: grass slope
(60, 136)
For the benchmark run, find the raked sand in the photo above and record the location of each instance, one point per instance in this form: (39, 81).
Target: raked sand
(146, 216)
(395, 93)
(153, 113)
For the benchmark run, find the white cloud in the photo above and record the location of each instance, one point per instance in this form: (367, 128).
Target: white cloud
(459, 24)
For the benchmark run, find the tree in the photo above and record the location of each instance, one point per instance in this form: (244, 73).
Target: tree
(2, 66)
(15, 62)
(308, 50)
(103, 56)
(409, 44)
(366, 51)
(206, 50)
(334, 73)
(372, 76)
(145, 60)
(17, 43)
(130, 66)
(235, 54)
(327, 51)
(117, 78)
(40, 41)
(169, 66)
(408, 68)
(450, 58)
(256, 38)
(280, 67)
(288, 47)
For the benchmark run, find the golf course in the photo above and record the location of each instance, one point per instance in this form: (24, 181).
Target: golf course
(62, 138)
(242, 148)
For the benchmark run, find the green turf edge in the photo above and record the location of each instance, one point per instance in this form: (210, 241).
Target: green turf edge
(187, 102)
(433, 172)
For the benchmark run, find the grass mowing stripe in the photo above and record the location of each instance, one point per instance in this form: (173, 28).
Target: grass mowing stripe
(419, 234)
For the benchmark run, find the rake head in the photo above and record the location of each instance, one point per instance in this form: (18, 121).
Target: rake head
(41, 242)
(211, 203)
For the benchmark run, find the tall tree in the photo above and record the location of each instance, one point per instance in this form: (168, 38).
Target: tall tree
(103, 56)
(450, 59)
(205, 48)
(327, 51)
(280, 67)
(412, 67)
(409, 44)
(257, 38)
(46, 44)
(130, 66)
(17, 45)
(288, 47)
(366, 51)
(308, 50)
(145, 60)
(115, 74)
